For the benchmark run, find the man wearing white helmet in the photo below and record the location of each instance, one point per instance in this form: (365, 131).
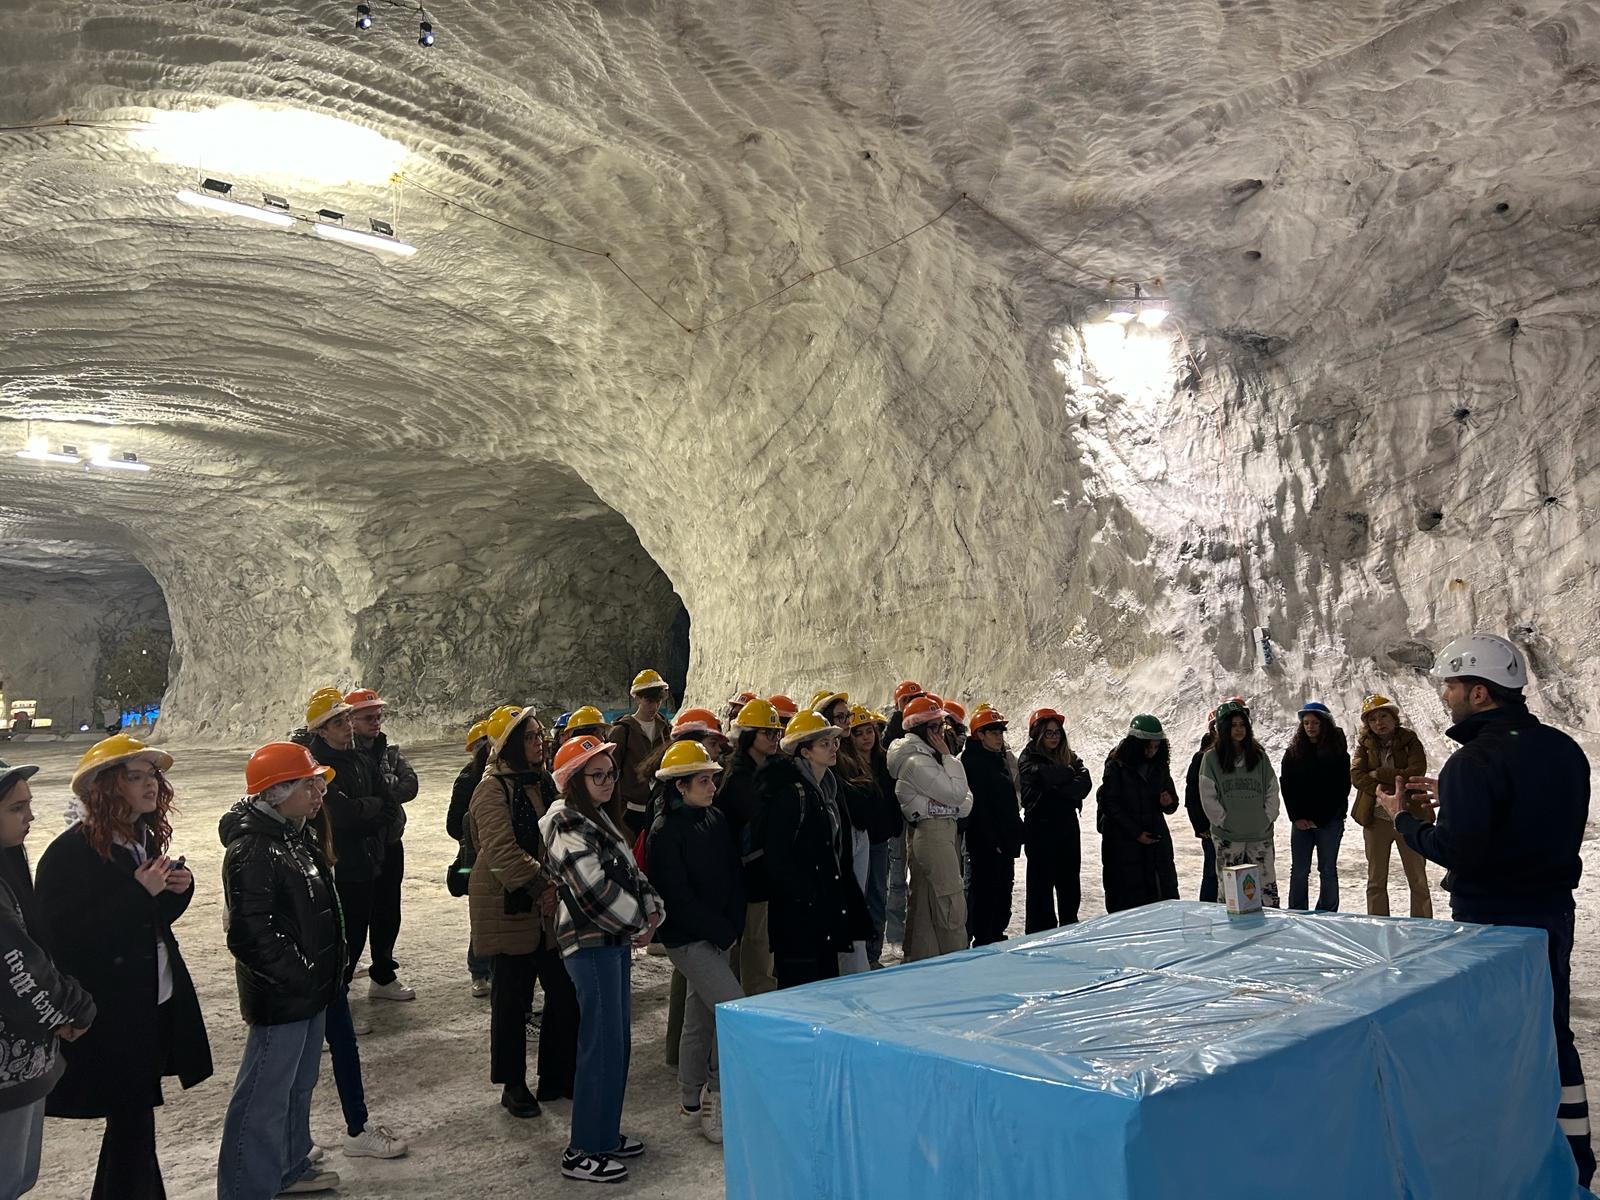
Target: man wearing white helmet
(1513, 803)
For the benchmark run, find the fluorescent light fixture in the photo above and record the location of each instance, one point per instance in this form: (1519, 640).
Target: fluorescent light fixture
(250, 141)
(233, 208)
(1151, 315)
(367, 241)
(39, 451)
(125, 463)
(98, 450)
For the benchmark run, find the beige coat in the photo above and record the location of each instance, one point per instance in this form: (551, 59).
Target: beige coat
(502, 867)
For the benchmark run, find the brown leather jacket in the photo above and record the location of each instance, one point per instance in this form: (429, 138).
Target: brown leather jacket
(1368, 773)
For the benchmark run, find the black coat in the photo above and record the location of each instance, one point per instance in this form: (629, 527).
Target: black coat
(695, 867)
(1316, 788)
(1513, 805)
(1191, 797)
(101, 926)
(739, 799)
(396, 780)
(359, 811)
(1128, 804)
(1052, 797)
(815, 904)
(995, 827)
(455, 819)
(888, 821)
(282, 918)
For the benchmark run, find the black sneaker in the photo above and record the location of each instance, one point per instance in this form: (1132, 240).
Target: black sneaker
(628, 1148)
(592, 1168)
(518, 1100)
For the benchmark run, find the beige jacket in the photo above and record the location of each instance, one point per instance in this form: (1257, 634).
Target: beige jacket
(503, 868)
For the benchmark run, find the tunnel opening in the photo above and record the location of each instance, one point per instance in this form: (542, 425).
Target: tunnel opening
(88, 643)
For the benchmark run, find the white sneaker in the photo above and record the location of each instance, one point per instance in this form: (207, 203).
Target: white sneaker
(690, 1116)
(312, 1181)
(318, 1153)
(711, 1115)
(595, 1168)
(375, 1141)
(393, 990)
(360, 1023)
(480, 989)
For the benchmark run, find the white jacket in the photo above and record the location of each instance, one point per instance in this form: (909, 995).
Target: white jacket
(926, 788)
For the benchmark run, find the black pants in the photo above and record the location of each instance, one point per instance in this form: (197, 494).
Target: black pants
(994, 874)
(386, 912)
(128, 1168)
(1053, 891)
(1573, 1111)
(1136, 874)
(355, 898)
(791, 970)
(510, 1000)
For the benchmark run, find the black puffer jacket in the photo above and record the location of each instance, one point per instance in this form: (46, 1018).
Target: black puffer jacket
(1316, 787)
(1052, 795)
(1191, 795)
(995, 826)
(455, 818)
(815, 904)
(695, 868)
(396, 779)
(359, 811)
(740, 800)
(282, 918)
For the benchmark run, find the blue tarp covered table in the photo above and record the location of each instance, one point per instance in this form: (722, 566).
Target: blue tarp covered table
(1165, 1051)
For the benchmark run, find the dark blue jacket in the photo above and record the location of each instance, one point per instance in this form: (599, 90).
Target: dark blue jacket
(1513, 803)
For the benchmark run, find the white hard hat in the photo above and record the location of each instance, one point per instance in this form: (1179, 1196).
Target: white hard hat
(1483, 656)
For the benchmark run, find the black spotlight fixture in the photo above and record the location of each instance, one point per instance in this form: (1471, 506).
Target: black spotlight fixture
(363, 16)
(217, 186)
(425, 34)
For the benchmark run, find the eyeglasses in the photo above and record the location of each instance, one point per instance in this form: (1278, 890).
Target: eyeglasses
(610, 776)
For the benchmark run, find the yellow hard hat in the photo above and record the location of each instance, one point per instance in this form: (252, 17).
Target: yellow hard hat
(112, 752)
(1378, 703)
(497, 722)
(758, 714)
(478, 733)
(686, 758)
(504, 721)
(647, 680)
(860, 715)
(806, 727)
(878, 718)
(324, 705)
(821, 701)
(585, 718)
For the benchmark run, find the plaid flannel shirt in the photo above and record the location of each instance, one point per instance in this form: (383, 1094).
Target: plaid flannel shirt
(605, 901)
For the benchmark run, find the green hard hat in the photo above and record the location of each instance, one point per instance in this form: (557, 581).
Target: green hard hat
(1146, 728)
(1230, 709)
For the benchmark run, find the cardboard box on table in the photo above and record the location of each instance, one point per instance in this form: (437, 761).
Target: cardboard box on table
(1163, 1051)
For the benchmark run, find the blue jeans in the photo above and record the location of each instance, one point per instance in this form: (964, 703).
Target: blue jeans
(477, 966)
(21, 1137)
(895, 919)
(877, 897)
(1208, 876)
(600, 974)
(1325, 840)
(346, 1055)
(267, 1132)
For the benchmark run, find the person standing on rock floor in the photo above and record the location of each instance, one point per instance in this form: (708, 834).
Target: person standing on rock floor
(1136, 797)
(586, 721)
(607, 906)
(994, 831)
(41, 1009)
(1239, 792)
(367, 711)
(816, 911)
(1316, 788)
(894, 928)
(1385, 751)
(1513, 805)
(1054, 783)
(931, 786)
(695, 867)
(512, 902)
(884, 822)
(281, 912)
(108, 897)
(738, 798)
(636, 736)
(1198, 821)
(856, 789)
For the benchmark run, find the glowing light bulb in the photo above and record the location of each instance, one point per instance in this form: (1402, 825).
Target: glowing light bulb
(1151, 315)
(252, 140)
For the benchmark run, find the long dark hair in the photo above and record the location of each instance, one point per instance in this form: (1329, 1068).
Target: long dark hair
(923, 731)
(1130, 753)
(1253, 753)
(1331, 744)
(1062, 755)
(852, 767)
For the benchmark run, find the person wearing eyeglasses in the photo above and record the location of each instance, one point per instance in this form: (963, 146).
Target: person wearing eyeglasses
(759, 729)
(607, 907)
(109, 894)
(512, 903)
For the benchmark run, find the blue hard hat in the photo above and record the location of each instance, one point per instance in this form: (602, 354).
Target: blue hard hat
(1315, 706)
(563, 720)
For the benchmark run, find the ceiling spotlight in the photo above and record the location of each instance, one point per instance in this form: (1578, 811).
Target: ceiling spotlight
(1121, 314)
(381, 228)
(217, 186)
(363, 16)
(1152, 315)
(100, 456)
(39, 450)
(367, 241)
(272, 201)
(327, 214)
(233, 208)
(425, 34)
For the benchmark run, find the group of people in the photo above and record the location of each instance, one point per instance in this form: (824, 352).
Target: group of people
(769, 845)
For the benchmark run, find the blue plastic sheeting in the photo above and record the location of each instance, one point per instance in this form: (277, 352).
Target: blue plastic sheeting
(1161, 1052)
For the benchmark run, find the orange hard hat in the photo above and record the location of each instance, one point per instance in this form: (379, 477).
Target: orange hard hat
(985, 718)
(696, 720)
(785, 706)
(922, 711)
(905, 690)
(955, 711)
(363, 698)
(1044, 714)
(574, 753)
(279, 762)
